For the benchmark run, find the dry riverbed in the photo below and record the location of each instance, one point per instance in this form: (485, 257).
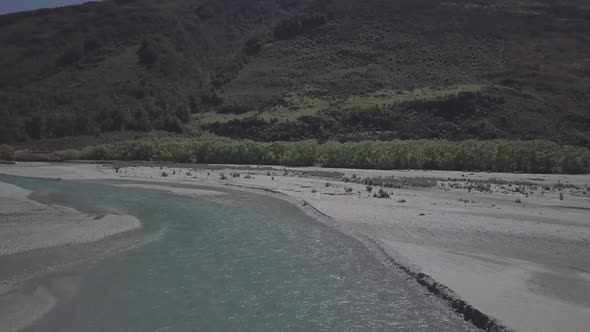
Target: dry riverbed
(512, 245)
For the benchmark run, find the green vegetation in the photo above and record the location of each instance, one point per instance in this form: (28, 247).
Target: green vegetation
(390, 98)
(293, 70)
(6, 152)
(131, 65)
(455, 116)
(497, 155)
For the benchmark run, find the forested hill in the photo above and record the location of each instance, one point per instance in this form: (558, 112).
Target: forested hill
(121, 65)
(299, 69)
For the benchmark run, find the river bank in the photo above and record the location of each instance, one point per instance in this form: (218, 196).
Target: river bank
(29, 225)
(512, 249)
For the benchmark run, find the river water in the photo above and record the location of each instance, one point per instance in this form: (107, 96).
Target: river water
(236, 262)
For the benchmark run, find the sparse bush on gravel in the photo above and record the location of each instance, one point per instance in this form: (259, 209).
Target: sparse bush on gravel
(382, 194)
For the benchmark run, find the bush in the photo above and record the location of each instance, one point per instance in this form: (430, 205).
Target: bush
(6, 152)
(369, 188)
(70, 155)
(382, 194)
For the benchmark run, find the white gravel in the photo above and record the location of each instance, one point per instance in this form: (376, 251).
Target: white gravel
(26, 224)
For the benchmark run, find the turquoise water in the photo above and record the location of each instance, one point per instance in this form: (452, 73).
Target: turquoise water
(241, 262)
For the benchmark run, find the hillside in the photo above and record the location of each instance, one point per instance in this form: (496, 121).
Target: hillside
(292, 69)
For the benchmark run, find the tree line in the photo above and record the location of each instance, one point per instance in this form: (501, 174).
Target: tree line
(471, 155)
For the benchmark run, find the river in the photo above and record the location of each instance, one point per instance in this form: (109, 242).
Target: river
(238, 261)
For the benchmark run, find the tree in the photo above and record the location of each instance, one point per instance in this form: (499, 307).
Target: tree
(6, 152)
(183, 113)
(147, 54)
(37, 126)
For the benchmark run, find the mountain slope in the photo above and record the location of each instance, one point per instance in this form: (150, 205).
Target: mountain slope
(119, 64)
(291, 70)
(423, 69)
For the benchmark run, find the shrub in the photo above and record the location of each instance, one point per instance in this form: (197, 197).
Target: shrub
(70, 155)
(328, 184)
(369, 188)
(164, 174)
(6, 152)
(222, 176)
(382, 194)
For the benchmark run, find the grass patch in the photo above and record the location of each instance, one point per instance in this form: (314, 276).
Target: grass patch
(388, 98)
(292, 107)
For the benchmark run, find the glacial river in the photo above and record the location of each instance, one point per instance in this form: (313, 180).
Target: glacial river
(234, 262)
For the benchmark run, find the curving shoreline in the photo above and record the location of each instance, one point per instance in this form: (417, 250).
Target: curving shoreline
(28, 225)
(500, 264)
(31, 227)
(393, 261)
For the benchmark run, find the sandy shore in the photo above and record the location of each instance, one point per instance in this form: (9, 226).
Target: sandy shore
(514, 249)
(27, 225)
